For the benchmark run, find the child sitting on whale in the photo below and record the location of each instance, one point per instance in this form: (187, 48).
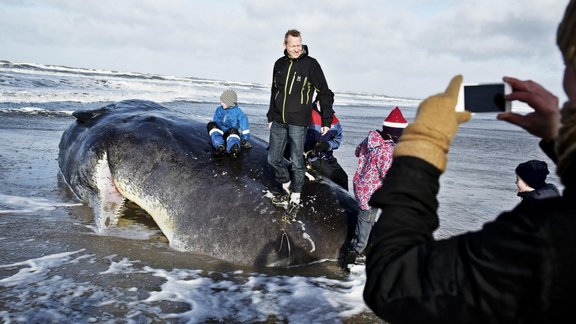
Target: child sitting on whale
(319, 148)
(229, 129)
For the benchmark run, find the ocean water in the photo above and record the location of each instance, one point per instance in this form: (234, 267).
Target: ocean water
(54, 268)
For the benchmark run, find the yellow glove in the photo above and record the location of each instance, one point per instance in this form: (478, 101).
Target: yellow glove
(436, 123)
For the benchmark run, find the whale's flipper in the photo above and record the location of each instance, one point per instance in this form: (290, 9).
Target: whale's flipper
(83, 116)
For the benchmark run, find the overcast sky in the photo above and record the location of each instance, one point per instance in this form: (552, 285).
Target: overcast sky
(408, 48)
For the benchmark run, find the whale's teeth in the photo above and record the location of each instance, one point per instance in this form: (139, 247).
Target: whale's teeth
(107, 202)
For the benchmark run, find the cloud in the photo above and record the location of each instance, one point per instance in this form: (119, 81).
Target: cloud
(407, 48)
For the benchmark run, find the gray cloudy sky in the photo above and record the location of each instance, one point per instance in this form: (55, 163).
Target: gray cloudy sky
(404, 48)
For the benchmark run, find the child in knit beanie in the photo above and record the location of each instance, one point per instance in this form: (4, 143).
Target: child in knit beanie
(229, 129)
(531, 181)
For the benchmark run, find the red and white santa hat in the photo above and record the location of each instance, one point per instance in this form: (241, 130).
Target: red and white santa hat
(395, 119)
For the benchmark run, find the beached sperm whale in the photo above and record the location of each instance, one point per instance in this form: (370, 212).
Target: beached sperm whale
(141, 151)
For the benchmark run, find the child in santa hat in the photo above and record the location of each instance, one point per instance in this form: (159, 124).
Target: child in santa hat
(374, 159)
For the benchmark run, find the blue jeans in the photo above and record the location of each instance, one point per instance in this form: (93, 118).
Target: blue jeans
(366, 220)
(280, 135)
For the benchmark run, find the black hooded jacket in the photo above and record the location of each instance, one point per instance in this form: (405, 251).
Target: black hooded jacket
(294, 82)
(519, 268)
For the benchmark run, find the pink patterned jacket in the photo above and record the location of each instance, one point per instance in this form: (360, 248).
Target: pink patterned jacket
(374, 159)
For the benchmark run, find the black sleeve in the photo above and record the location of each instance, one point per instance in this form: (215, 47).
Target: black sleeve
(272, 107)
(408, 202)
(325, 95)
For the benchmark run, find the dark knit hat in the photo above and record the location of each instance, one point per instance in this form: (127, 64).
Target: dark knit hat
(394, 124)
(229, 97)
(533, 172)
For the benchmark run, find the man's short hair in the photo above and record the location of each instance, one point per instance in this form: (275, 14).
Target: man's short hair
(293, 33)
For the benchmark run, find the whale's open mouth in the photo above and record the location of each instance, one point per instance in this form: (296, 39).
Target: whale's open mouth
(108, 203)
(114, 201)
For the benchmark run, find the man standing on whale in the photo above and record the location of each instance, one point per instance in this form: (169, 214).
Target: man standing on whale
(296, 76)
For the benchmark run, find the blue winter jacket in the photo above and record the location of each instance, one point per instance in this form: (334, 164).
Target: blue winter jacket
(232, 117)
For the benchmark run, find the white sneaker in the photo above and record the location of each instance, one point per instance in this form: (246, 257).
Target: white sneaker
(293, 207)
(286, 186)
(295, 198)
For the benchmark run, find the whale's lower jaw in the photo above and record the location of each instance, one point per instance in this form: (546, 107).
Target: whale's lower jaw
(157, 210)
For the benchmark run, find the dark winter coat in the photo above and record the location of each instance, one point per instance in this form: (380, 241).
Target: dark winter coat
(294, 82)
(547, 191)
(519, 268)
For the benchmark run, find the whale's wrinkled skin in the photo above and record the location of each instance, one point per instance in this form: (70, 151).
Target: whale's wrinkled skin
(141, 151)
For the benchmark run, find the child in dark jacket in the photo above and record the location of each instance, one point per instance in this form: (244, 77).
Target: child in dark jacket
(320, 148)
(531, 181)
